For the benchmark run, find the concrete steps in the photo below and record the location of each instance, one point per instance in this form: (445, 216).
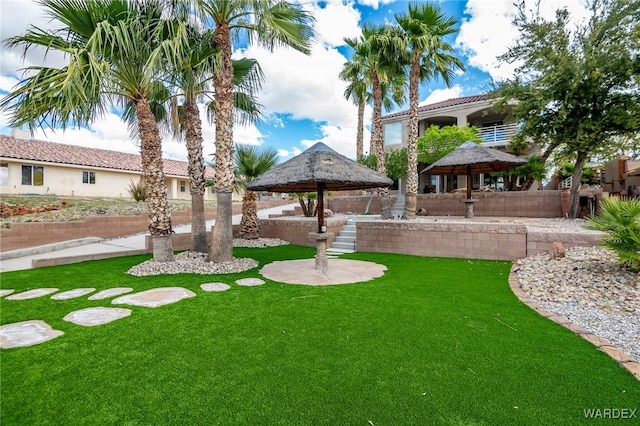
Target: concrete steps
(398, 207)
(345, 242)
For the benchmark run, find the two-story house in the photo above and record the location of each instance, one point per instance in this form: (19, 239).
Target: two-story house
(475, 110)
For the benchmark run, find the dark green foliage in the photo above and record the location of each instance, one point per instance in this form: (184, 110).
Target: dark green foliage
(439, 141)
(433, 341)
(620, 219)
(395, 161)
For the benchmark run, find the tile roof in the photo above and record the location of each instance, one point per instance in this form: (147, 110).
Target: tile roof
(442, 104)
(57, 153)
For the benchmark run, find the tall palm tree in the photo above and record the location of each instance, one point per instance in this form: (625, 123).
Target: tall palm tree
(250, 162)
(270, 23)
(376, 49)
(115, 53)
(192, 77)
(428, 56)
(353, 72)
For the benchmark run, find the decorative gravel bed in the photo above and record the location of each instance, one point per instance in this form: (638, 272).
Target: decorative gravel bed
(590, 288)
(197, 263)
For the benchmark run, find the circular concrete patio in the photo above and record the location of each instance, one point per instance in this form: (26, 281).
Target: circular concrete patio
(340, 271)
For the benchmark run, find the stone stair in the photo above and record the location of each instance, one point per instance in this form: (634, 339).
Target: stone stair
(345, 242)
(397, 211)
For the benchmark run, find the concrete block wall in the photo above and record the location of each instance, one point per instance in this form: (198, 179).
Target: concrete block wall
(470, 241)
(511, 204)
(296, 231)
(33, 234)
(542, 242)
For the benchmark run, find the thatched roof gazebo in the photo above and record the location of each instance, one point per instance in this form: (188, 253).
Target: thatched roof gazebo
(319, 169)
(471, 159)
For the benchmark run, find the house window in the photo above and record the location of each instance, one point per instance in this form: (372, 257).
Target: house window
(392, 134)
(4, 174)
(183, 186)
(33, 175)
(88, 177)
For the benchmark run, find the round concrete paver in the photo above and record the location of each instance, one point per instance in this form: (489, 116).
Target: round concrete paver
(155, 297)
(110, 292)
(215, 287)
(6, 292)
(340, 271)
(72, 294)
(96, 316)
(249, 282)
(32, 294)
(26, 333)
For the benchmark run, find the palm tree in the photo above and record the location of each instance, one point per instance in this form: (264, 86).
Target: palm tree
(250, 162)
(353, 72)
(192, 77)
(115, 53)
(271, 24)
(428, 56)
(376, 50)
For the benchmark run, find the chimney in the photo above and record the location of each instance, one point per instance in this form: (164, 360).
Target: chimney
(21, 134)
(623, 161)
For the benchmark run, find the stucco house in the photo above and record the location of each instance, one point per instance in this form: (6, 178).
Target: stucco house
(29, 166)
(622, 176)
(496, 131)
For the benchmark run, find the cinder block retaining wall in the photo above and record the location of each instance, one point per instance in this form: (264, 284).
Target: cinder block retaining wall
(542, 242)
(297, 231)
(33, 234)
(511, 204)
(471, 241)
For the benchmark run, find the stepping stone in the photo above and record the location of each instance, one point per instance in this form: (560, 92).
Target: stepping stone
(111, 292)
(26, 333)
(155, 297)
(249, 282)
(72, 294)
(96, 316)
(6, 292)
(32, 294)
(215, 287)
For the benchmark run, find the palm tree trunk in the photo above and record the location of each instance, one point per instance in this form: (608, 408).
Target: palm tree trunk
(574, 195)
(378, 142)
(360, 131)
(412, 147)
(153, 172)
(249, 225)
(222, 239)
(193, 130)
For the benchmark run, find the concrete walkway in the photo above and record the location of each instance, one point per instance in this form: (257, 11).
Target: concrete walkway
(22, 259)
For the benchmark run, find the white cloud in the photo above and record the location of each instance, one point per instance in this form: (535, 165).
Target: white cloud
(438, 95)
(489, 31)
(335, 21)
(375, 3)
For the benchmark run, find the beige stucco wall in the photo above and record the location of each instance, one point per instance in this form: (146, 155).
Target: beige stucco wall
(66, 181)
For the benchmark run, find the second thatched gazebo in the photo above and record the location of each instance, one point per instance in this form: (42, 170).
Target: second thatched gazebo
(471, 159)
(319, 169)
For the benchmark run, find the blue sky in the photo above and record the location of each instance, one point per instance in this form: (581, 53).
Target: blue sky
(302, 94)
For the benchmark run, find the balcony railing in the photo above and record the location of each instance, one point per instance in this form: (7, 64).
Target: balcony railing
(499, 133)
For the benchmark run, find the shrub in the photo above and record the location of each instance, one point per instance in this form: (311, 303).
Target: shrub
(620, 219)
(138, 190)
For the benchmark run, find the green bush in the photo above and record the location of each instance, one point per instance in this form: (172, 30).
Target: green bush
(138, 190)
(620, 219)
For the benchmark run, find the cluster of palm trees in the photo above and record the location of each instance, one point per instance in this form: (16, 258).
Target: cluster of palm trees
(384, 58)
(156, 59)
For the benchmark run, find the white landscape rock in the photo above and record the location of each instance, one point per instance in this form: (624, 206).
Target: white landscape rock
(90, 317)
(110, 292)
(155, 297)
(6, 292)
(215, 287)
(26, 333)
(72, 294)
(32, 294)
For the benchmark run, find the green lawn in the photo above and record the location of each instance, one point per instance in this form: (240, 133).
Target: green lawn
(434, 341)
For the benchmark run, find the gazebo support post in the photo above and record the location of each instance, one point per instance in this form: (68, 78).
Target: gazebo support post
(322, 261)
(321, 227)
(468, 202)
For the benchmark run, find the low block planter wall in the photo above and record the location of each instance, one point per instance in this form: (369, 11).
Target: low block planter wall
(542, 242)
(296, 231)
(470, 241)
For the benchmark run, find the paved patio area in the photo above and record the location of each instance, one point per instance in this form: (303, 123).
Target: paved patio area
(340, 271)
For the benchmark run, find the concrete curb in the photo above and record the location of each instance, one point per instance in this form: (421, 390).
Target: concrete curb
(618, 355)
(54, 261)
(49, 247)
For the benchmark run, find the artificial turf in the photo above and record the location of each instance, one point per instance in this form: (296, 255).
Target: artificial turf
(433, 341)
